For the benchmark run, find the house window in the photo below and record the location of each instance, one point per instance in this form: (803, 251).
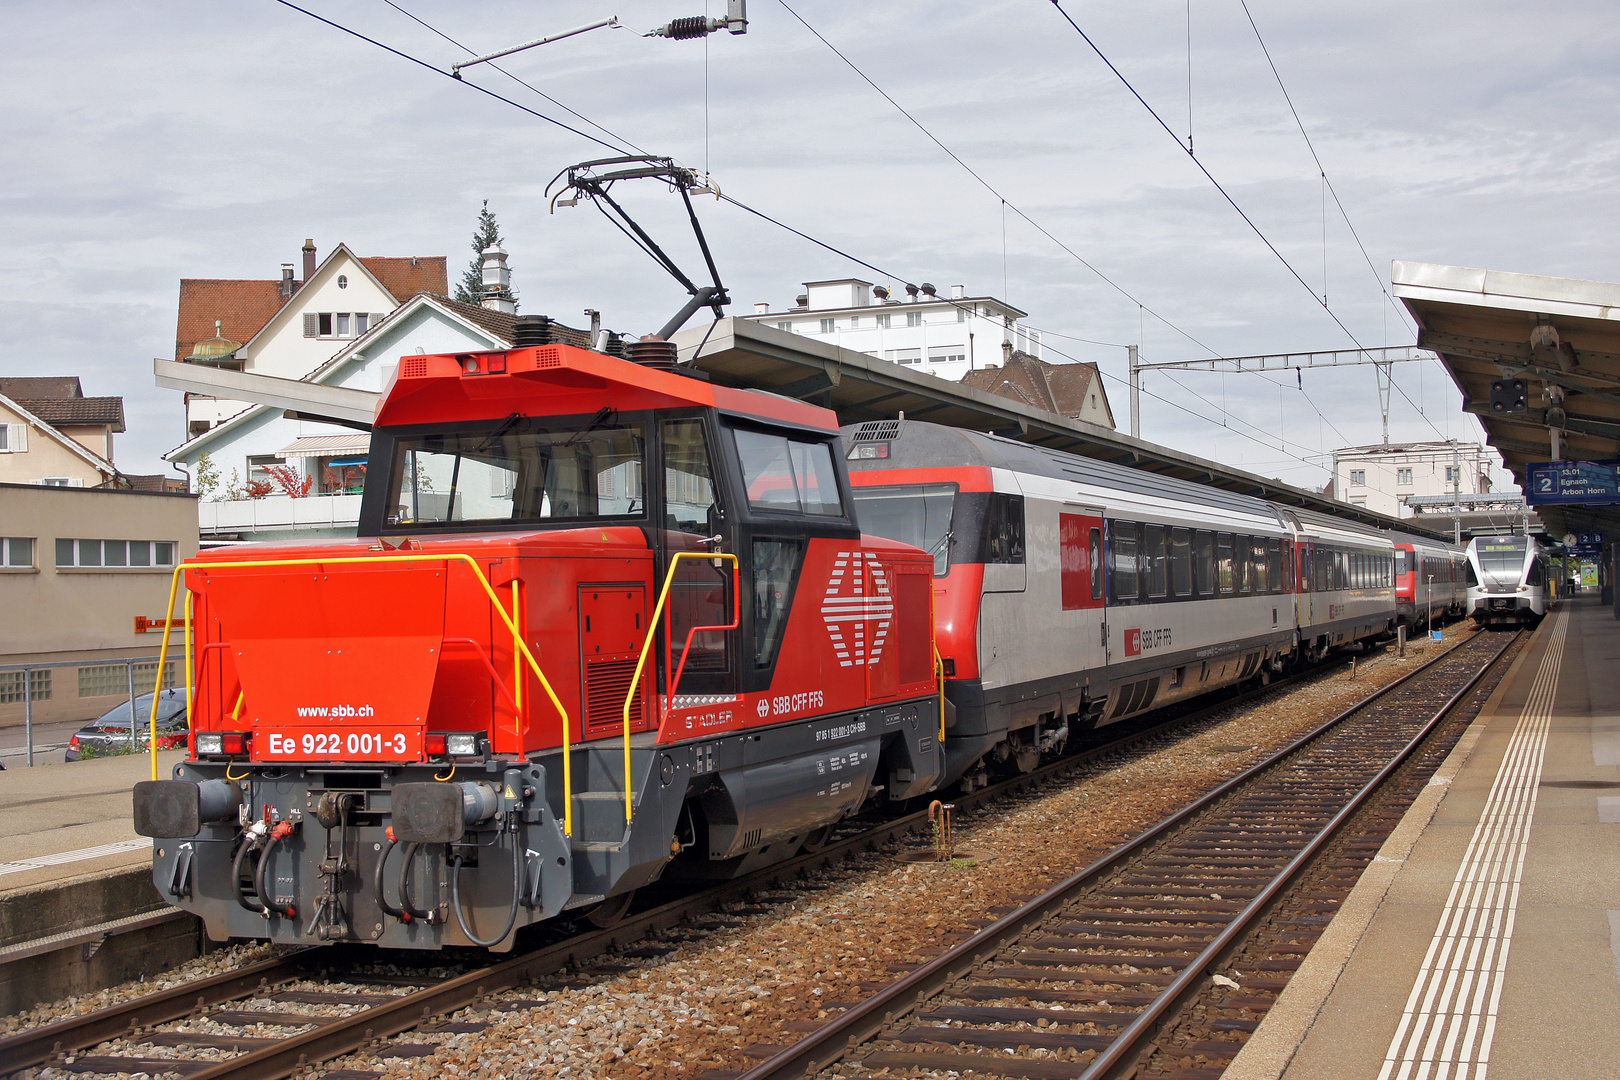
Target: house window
(1450, 474)
(882, 321)
(11, 686)
(56, 481)
(1358, 477)
(258, 468)
(343, 324)
(113, 554)
(1358, 500)
(961, 314)
(826, 326)
(854, 321)
(786, 327)
(947, 354)
(13, 438)
(361, 322)
(17, 551)
(1403, 476)
(903, 356)
(913, 318)
(343, 281)
(345, 475)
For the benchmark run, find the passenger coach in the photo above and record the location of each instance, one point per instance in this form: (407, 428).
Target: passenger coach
(1070, 592)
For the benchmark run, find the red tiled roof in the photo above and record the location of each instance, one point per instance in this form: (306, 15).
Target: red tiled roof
(501, 323)
(1059, 388)
(39, 387)
(82, 410)
(408, 276)
(243, 306)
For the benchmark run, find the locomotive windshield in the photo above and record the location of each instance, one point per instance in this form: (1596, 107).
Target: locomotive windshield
(532, 474)
(918, 514)
(1501, 562)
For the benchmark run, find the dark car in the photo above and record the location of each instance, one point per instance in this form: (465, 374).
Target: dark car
(108, 734)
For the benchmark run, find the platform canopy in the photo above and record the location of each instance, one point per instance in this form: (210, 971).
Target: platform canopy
(858, 387)
(1560, 335)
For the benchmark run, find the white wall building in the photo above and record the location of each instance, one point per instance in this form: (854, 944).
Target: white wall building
(1382, 478)
(947, 336)
(242, 447)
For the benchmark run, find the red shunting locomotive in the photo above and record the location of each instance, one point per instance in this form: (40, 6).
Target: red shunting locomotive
(604, 623)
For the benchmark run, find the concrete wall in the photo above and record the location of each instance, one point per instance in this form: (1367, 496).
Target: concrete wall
(83, 614)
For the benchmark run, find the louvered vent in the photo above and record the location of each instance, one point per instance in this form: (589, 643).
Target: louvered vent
(413, 367)
(547, 358)
(876, 431)
(606, 684)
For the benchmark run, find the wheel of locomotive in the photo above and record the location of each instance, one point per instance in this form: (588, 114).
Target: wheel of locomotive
(816, 840)
(610, 912)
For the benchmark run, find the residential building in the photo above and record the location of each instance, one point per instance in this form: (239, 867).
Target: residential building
(947, 337)
(90, 568)
(1383, 478)
(54, 436)
(288, 327)
(245, 448)
(1071, 390)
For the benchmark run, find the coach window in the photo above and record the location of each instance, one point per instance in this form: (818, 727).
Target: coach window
(1154, 562)
(1096, 565)
(1258, 581)
(1240, 565)
(1004, 529)
(1223, 563)
(1122, 574)
(1204, 563)
(1181, 562)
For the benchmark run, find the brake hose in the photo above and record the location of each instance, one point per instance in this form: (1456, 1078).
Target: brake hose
(408, 857)
(249, 843)
(511, 916)
(377, 880)
(281, 830)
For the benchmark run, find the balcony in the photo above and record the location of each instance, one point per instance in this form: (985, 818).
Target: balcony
(274, 513)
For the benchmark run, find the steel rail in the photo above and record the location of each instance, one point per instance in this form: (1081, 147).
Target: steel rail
(868, 1019)
(36, 1046)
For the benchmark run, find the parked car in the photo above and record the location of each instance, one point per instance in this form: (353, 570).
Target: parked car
(108, 734)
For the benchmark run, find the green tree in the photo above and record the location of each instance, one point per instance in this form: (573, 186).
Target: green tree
(206, 477)
(470, 289)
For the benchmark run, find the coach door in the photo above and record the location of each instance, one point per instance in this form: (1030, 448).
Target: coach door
(1080, 590)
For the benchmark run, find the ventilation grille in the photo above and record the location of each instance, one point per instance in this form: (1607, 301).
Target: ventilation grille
(547, 358)
(1135, 697)
(413, 367)
(876, 431)
(606, 684)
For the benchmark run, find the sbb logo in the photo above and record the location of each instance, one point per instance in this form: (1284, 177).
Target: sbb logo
(1133, 643)
(763, 708)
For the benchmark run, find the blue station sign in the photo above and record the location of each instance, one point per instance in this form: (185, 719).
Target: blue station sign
(1591, 483)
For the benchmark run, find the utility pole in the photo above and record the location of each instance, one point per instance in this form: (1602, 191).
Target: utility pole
(1456, 490)
(1136, 394)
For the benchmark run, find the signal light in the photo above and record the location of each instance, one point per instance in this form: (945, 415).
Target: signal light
(223, 743)
(433, 745)
(1510, 396)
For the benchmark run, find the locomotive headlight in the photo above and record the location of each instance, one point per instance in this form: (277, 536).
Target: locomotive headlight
(210, 742)
(461, 743)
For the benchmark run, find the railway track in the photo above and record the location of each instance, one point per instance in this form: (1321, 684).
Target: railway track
(272, 1018)
(1087, 979)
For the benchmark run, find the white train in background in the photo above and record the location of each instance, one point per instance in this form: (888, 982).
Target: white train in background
(1509, 581)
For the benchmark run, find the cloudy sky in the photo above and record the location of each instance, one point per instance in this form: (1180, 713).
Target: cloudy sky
(146, 143)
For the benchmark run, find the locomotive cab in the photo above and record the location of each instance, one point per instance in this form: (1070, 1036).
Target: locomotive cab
(603, 622)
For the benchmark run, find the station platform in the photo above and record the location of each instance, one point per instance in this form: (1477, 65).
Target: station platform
(1485, 936)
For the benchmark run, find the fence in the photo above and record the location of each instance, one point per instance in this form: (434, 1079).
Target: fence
(28, 683)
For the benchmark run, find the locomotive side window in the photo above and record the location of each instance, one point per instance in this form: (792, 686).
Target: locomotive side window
(1155, 563)
(507, 473)
(1181, 562)
(1004, 529)
(1204, 563)
(1122, 574)
(1224, 579)
(688, 477)
(790, 475)
(776, 564)
(1096, 565)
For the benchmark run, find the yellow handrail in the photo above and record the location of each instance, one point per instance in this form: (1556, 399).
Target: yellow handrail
(163, 658)
(489, 591)
(939, 679)
(646, 647)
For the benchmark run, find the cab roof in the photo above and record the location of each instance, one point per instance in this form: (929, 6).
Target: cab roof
(562, 380)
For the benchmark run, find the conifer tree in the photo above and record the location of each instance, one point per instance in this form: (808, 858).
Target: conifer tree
(470, 289)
